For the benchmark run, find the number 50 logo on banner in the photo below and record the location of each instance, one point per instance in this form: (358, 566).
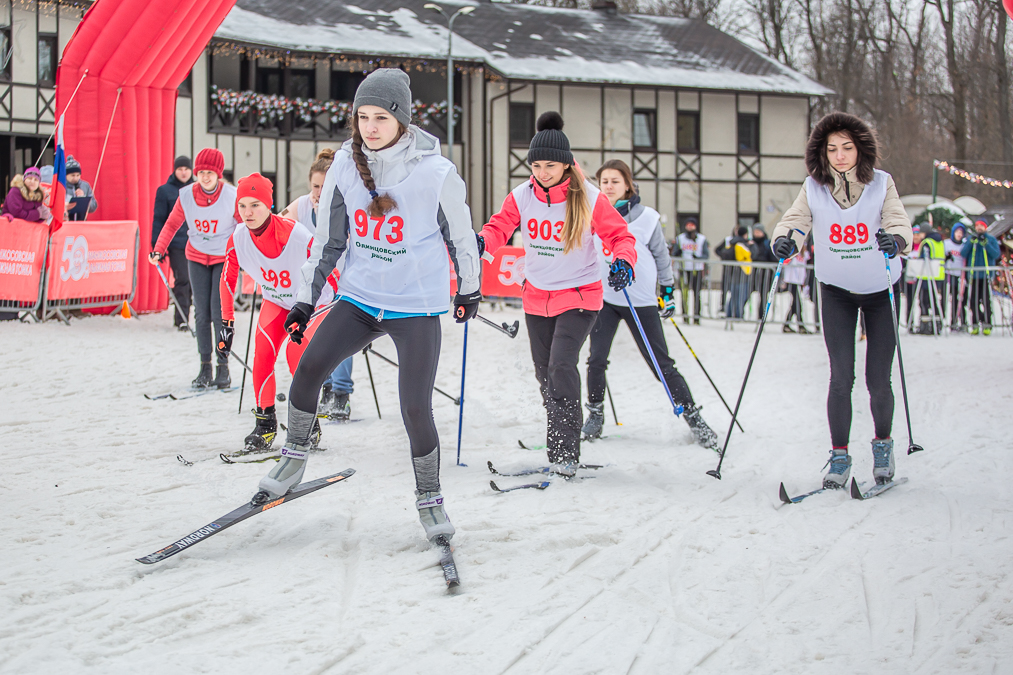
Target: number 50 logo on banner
(74, 264)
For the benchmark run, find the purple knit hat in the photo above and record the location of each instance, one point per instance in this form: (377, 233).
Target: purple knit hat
(32, 171)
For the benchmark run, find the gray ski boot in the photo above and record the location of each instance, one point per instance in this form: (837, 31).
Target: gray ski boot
(840, 469)
(595, 421)
(882, 457)
(287, 473)
(704, 435)
(432, 515)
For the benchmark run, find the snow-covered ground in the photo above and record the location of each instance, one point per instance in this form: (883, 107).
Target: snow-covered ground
(649, 567)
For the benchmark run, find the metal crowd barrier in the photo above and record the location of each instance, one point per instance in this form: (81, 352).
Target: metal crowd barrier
(724, 286)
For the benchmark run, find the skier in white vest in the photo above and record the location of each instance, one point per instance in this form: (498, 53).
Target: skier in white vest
(653, 268)
(692, 248)
(338, 387)
(394, 206)
(855, 215)
(558, 211)
(272, 250)
(208, 207)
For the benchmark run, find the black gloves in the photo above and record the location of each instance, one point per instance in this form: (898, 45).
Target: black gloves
(620, 275)
(466, 306)
(481, 244)
(297, 319)
(225, 336)
(887, 243)
(155, 257)
(667, 302)
(784, 248)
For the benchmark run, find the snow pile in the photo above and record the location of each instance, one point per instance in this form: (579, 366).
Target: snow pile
(648, 567)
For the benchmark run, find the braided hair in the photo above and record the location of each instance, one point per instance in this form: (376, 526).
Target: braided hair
(380, 204)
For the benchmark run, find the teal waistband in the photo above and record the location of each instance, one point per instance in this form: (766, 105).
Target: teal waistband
(380, 314)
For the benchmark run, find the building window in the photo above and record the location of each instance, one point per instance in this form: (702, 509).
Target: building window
(749, 134)
(688, 132)
(269, 81)
(343, 85)
(302, 84)
(748, 220)
(522, 124)
(186, 86)
(645, 129)
(6, 52)
(228, 176)
(48, 57)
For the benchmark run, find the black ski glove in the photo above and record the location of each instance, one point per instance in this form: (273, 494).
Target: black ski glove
(466, 306)
(297, 319)
(620, 274)
(155, 257)
(784, 248)
(481, 244)
(225, 336)
(667, 302)
(888, 243)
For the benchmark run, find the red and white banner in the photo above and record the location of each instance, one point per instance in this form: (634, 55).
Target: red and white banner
(502, 278)
(22, 254)
(91, 259)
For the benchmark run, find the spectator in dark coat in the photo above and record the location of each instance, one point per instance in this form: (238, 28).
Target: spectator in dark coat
(762, 277)
(736, 249)
(165, 200)
(77, 187)
(25, 199)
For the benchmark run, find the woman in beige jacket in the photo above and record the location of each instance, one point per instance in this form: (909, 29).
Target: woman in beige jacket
(855, 216)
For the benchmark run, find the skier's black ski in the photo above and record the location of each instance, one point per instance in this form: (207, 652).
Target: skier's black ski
(533, 446)
(182, 396)
(258, 504)
(856, 489)
(795, 500)
(158, 397)
(447, 562)
(540, 469)
(535, 486)
(249, 457)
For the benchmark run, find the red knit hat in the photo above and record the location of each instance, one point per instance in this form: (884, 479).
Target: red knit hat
(210, 159)
(255, 186)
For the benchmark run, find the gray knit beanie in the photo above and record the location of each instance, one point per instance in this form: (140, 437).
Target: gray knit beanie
(388, 88)
(550, 144)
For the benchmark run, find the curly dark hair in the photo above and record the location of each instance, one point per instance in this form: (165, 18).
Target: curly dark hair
(854, 128)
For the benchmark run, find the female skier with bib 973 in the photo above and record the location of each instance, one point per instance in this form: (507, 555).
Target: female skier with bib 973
(558, 211)
(393, 206)
(855, 215)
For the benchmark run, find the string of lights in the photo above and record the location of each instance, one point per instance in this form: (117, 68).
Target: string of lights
(943, 165)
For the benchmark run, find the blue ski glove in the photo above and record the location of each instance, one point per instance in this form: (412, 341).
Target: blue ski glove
(480, 240)
(783, 248)
(297, 320)
(887, 243)
(667, 302)
(225, 336)
(466, 306)
(620, 275)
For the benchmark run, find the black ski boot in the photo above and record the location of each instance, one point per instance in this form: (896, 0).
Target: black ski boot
(326, 407)
(262, 436)
(203, 379)
(704, 435)
(315, 434)
(222, 378)
(594, 422)
(341, 408)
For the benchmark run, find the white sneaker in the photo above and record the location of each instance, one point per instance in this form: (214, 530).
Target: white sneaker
(432, 515)
(287, 473)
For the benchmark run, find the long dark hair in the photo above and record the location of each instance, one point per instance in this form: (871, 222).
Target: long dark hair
(860, 133)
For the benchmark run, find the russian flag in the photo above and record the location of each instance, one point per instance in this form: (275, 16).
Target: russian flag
(58, 192)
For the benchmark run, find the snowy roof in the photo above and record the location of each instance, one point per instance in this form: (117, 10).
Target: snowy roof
(522, 42)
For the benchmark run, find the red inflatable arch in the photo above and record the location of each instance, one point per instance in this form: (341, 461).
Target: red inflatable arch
(141, 50)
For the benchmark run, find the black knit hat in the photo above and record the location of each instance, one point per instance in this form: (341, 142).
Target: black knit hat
(182, 160)
(550, 144)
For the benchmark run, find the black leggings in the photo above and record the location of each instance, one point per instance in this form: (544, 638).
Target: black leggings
(181, 287)
(207, 307)
(981, 301)
(555, 347)
(840, 316)
(796, 305)
(346, 330)
(691, 283)
(958, 300)
(601, 344)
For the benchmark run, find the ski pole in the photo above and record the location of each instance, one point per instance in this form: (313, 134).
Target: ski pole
(612, 403)
(509, 329)
(759, 333)
(700, 363)
(460, 409)
(365, 352)
(395, 364)
(912, 446)
(249, 339)
(677, 409)
(172, 296)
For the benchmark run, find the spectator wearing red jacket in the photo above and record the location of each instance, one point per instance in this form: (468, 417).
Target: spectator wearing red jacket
(559, 211)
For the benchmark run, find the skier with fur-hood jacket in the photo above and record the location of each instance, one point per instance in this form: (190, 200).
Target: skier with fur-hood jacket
(855, 216)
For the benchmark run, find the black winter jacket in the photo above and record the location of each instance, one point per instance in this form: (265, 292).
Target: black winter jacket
(165, 200)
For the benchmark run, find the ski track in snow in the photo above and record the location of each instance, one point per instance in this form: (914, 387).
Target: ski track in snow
(651, 567)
